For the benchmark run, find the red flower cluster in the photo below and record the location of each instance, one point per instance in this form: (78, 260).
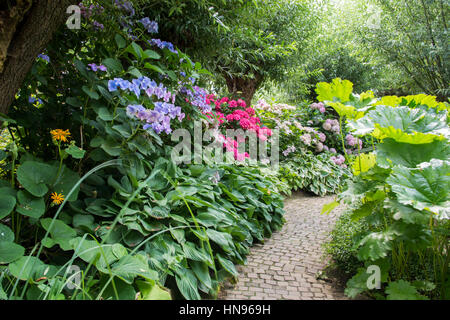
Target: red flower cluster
(234, 114)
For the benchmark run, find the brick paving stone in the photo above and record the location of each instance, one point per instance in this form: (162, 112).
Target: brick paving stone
(285, 266)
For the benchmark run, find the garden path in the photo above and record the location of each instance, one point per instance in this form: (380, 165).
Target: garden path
(286, 266)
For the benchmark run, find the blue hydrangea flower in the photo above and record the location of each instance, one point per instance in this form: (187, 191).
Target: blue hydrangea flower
(44, 57)
(151, 26)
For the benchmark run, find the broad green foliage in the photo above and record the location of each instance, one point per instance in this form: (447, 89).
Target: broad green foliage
(401, 192)
(310, 146)
(90, 189)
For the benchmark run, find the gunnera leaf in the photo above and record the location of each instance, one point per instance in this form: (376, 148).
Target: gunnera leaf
(424, 188)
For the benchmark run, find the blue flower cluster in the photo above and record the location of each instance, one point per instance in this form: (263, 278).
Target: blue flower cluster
(197, 97)
(151, 26)
(33, 100)
(126, 6)
(163, 45)
(44, 57)
(158, 119)
(150, 87)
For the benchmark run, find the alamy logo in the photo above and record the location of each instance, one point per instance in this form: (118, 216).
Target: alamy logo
(74, 277)
(374, 280)
(74, 20)
(374, 18)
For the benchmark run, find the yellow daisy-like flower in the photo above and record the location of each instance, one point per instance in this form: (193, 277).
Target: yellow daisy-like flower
(57, 198)
(59, 134)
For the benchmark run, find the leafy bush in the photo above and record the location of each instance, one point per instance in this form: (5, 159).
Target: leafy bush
(341, 246)
(309, 145)
(400, 190)
(88, 189)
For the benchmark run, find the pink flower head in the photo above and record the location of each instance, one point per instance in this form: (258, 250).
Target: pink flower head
(232, 104)
(245, 124)
(224, 100)
(241, 103)
(250, 111)
(230, 117)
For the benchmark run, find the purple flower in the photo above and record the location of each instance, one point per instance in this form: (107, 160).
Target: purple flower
(113, 84)
(98, 25)
(126, 6)
(44, 57)
(151, 26)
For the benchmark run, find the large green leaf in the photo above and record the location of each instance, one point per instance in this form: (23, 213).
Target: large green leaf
(201, 270)
(402, 124)
(129, 267)
(30, 205)
(35, 176)
(66, 181)
(403, 290)
(27, 267)
(10, 251)
(60, 233)
(375, 245)
(227, 265)
(391, 152)
(150, 290)
(406, 213)
(6, 233)
(337, 90)
(7, 204)
(187, 284)
(426, 187)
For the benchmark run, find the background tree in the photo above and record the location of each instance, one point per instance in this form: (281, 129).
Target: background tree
(26, 27)
(243, 43)
(414, 35)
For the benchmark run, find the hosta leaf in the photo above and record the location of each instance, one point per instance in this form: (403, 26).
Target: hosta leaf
(150, 290)
(220, 238)
(403, 290)
(402, 124)
(201, 270)
(10, 251)
(187, 284)
(29, 205)
(227, 265)
(391, 152)
(426, 187)
(129, 267)
(193, 253)
(7, 204)
(375, 245)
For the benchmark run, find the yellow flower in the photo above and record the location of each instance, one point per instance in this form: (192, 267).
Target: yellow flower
(57, 198)
(59, 134)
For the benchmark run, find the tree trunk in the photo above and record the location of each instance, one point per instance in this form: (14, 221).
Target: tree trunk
(243, 87)
(25, 29)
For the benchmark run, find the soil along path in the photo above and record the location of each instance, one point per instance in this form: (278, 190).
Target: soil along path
(286, 266)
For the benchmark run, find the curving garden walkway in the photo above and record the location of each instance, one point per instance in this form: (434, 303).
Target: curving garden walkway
(286, 266)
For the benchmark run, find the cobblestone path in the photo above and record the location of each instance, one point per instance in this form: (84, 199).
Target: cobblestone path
(286, 265)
